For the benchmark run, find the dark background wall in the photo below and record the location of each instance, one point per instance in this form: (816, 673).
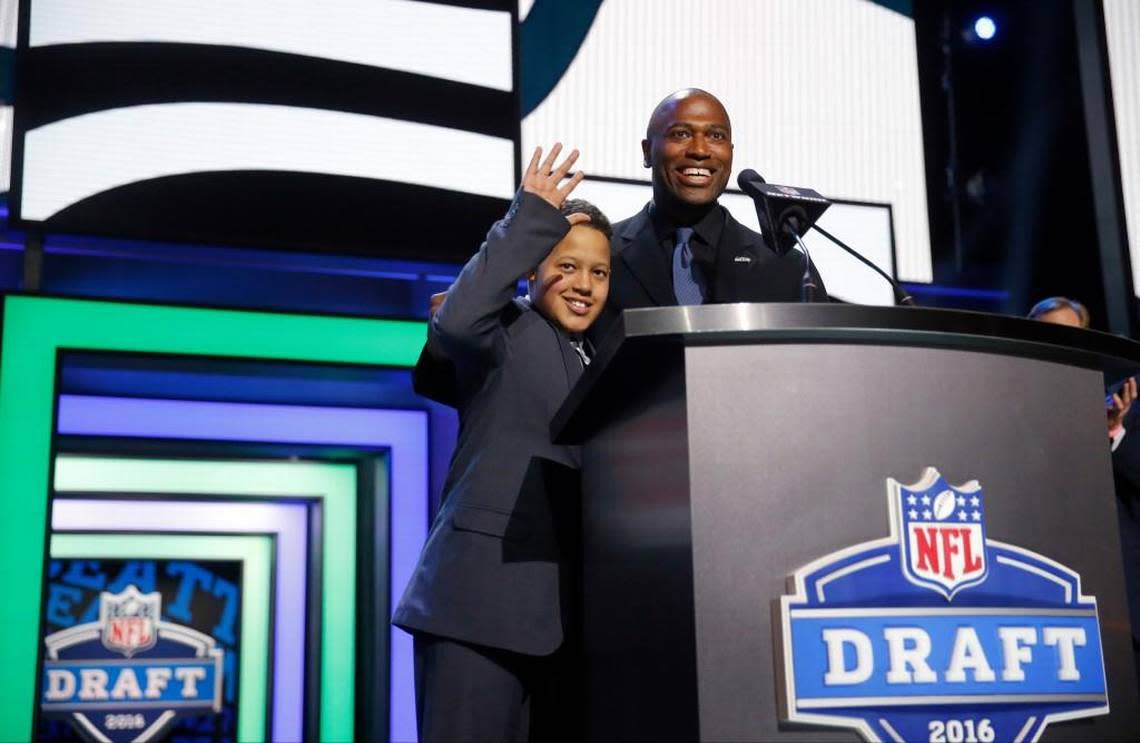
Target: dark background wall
(1021, 175)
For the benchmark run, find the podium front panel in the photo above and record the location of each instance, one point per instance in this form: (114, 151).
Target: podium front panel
(790, 447)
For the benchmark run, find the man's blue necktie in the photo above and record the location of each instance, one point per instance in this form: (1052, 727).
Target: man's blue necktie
(687, 279)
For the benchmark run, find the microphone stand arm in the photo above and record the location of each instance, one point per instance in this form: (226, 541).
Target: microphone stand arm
(902, 296)
(807, 284)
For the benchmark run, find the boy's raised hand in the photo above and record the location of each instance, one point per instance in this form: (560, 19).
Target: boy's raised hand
(545, 180)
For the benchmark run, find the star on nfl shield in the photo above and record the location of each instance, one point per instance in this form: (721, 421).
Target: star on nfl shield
(944, 533)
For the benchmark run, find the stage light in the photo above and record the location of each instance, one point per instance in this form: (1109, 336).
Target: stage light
(985, 28)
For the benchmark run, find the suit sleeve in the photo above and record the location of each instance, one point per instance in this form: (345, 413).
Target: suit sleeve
(1126, 456)
(434, 375)
(467, 325)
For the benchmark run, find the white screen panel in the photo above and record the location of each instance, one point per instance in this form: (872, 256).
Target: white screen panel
(8, 15)
(126, 145)
(822, 94)
(5, 147)
(385, 126)
(8, 41)
(866, 228)
(1122, 31)
(462, 44)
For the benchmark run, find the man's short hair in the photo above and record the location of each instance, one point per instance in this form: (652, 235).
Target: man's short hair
(679, 95)
(597, 220)
(1060, 303)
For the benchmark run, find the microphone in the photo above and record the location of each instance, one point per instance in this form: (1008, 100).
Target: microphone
(784, 213)
(795, 210)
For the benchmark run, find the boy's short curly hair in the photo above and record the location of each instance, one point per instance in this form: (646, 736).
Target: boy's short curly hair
(597, 220)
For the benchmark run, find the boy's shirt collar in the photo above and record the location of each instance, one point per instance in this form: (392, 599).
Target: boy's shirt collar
(577, 341)
(579, 344)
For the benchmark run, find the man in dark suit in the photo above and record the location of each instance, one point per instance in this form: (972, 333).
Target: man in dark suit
(491, 602)
(1123, 428)
(684, 247)
(688, 147)
(1126, 477)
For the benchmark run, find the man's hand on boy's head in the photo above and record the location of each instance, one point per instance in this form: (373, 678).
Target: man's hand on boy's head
(545, 180)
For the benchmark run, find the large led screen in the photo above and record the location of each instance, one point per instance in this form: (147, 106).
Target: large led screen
(382, 126)
(821, 93)
(395, 127)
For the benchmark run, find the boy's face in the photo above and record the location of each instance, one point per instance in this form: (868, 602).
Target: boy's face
(571, 285)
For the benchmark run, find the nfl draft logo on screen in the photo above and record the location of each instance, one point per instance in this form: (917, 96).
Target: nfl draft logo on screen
(128, 676)
(937, 632)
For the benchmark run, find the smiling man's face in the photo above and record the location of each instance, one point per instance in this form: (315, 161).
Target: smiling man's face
(689, 148)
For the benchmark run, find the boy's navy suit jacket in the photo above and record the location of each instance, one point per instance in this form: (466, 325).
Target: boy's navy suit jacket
(498, 566)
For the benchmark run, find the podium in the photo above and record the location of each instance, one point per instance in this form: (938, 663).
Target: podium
(729, 448)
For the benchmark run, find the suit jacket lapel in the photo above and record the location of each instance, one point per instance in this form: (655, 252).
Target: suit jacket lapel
(740, 257)
(738, 241)
(642, 255)
(570, 359)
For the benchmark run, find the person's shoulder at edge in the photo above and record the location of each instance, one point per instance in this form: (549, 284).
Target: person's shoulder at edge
(624, 230)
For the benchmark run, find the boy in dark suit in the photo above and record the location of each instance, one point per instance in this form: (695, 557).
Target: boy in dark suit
(490, 601)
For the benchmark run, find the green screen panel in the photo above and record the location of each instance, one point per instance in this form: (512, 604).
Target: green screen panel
(35, 330)
(334, 485)
(256, 556)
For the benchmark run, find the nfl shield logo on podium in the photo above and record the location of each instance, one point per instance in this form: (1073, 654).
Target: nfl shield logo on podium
(944, 533)
(938, 632)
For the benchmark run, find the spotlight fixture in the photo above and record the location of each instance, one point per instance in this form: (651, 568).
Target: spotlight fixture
(983, 29)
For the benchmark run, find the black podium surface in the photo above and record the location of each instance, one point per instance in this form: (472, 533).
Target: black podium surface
(746, 470)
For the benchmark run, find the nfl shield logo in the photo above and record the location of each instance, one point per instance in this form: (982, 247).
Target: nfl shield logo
(129, 620)
(942, 533)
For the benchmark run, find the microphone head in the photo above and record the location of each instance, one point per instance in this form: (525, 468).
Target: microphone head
(747, 177)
